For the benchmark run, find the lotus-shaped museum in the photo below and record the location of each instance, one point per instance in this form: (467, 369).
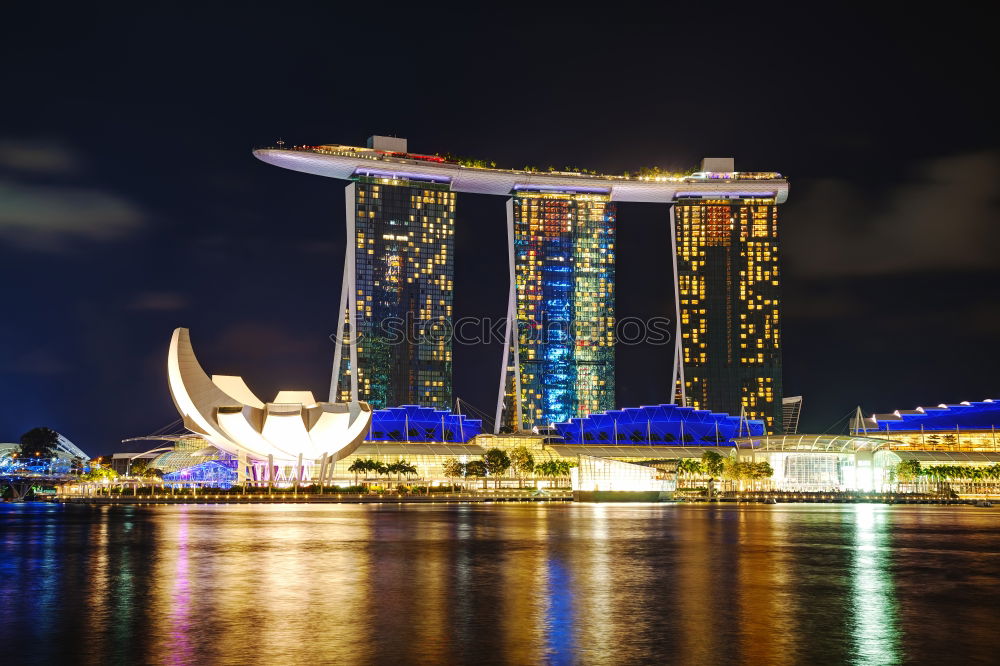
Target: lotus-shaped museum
(293, 427)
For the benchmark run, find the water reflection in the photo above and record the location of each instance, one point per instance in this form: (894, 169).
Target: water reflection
(596, 584)
(874, 622)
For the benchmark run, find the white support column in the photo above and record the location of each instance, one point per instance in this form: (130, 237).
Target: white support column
(338, 351)
(270, 470)
(331, 465)
(241, 467)
(678, 370)
(510, 333)
(352, 281)
(322, 472)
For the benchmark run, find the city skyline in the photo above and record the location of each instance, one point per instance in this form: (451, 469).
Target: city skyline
(334, 335)
(133, 206)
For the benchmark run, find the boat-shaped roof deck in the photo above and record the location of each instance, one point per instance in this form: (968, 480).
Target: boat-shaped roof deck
(347, 162)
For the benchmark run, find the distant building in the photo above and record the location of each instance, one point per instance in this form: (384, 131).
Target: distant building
(66, 457)
(790, 410)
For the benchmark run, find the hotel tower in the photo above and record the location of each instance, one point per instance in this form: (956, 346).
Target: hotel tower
(400, 242)
(559, 355)
(727, 300)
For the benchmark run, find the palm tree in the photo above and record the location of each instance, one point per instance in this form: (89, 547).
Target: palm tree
(358, 465)
(908, 471)
(546, 468)
(393, 468)
(381, 469)
(554, 469)
(564, 467)
(407, 469)
(689, 467)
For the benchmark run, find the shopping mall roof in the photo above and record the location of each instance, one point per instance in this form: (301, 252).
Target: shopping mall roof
(647, 452)
(982, 415)
(945, 457)
(421, 424)
(417, 449)
(658, 424)
(805, 442)
(347, 162)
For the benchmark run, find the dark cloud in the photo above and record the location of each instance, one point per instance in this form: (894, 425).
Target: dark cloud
(36, 157)
(50, 218)
(944, 217)
(158, 301)
(36, 362)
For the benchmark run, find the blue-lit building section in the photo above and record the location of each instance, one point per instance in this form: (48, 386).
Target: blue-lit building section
(658, 425)
(411, 423)
(214, 473)
(984, 415)
(564, 255)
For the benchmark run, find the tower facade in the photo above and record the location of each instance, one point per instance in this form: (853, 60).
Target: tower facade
(401, 238)
(728, 305)
(559, 362)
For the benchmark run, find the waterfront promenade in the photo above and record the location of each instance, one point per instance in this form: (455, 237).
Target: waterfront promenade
(213, 496)
(216, 496)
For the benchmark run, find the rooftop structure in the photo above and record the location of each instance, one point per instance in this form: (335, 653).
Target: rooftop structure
(964, 415)
(657, 425)
(966, 426)
(421, 424)
(348, 162)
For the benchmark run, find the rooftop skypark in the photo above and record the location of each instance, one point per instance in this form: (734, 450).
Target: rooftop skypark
(717, 178)
(649, 174)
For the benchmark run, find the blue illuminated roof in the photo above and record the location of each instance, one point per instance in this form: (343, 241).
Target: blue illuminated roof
(659, 424)
(411, 423)
(969, 415)
(220, 473)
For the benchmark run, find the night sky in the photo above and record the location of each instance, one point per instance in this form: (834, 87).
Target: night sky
(130, 202)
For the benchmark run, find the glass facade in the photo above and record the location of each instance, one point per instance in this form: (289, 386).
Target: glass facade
(404, 262)
(564, 258)
(728, 278)
(604, 475)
